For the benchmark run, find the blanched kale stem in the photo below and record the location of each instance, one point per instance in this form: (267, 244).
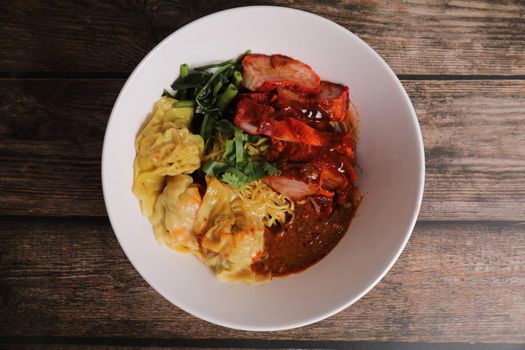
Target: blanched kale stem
(227, 97)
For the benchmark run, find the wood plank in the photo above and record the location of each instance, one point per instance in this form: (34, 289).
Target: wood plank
(51, 143)
(415, 37)
(455, 282)
(86, 344)
(474, 148)
(52, 133)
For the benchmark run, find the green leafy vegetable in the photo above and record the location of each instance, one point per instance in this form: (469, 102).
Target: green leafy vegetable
(233, 180)
(208, 123)
(205, 98)
(212, 87)
(192, 80)
(225, 126)
(271, 169)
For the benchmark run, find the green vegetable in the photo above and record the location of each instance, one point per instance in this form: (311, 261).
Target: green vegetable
(227, 97)
(185, 103)
(239, 146)
(212, 167)
(205, 99)
(212, 88)
(192, 80)
(233, 180)
(225, 126)
(239, 174)
(184, 70)
(237, 78)
(236, 167)
(215, 65)
(207, 125)
(216, 89)
(271, 169)
(229, 151)
(244, 173)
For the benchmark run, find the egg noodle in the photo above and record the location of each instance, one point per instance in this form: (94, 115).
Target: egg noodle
(274, 208)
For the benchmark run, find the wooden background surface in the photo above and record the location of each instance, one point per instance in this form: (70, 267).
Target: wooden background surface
(65, 281)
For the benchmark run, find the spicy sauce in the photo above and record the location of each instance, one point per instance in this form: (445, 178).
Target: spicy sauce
(304, 241)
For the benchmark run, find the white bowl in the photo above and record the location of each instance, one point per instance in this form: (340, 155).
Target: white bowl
(390, 153)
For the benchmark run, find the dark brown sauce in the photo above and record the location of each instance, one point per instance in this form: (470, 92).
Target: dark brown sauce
(304, 241)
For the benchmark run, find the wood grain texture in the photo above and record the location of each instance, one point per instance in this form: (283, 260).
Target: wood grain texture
(455, 282)
(474, 148)
(415, 36)
(52, 133)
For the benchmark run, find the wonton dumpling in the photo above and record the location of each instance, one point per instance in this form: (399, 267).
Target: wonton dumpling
(165, 147)
(175, 212)
(164, 117)
(231, 234)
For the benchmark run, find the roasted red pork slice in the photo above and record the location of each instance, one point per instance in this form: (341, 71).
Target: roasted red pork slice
(300, 152)
(294, 188)
(293, 130)
(334, 100)
(331, 103)
(261, 97)
(321, 177)
(265, 73)
(258, 118)
(294, 152)
(249, 113)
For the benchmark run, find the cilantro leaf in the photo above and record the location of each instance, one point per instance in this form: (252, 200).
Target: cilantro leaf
(233, 180)
(271, 169)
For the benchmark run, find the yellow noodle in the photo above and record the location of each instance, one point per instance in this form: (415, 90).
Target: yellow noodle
(271, 207)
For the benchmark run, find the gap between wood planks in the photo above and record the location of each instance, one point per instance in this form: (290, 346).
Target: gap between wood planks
(243, 343)
(125, 75)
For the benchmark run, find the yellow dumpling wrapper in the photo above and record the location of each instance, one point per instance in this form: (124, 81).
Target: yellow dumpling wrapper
(164, 117)
(165, 147)
(175, 212)
(230, 233)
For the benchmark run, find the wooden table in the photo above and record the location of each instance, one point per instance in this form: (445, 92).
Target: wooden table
(64, 281)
